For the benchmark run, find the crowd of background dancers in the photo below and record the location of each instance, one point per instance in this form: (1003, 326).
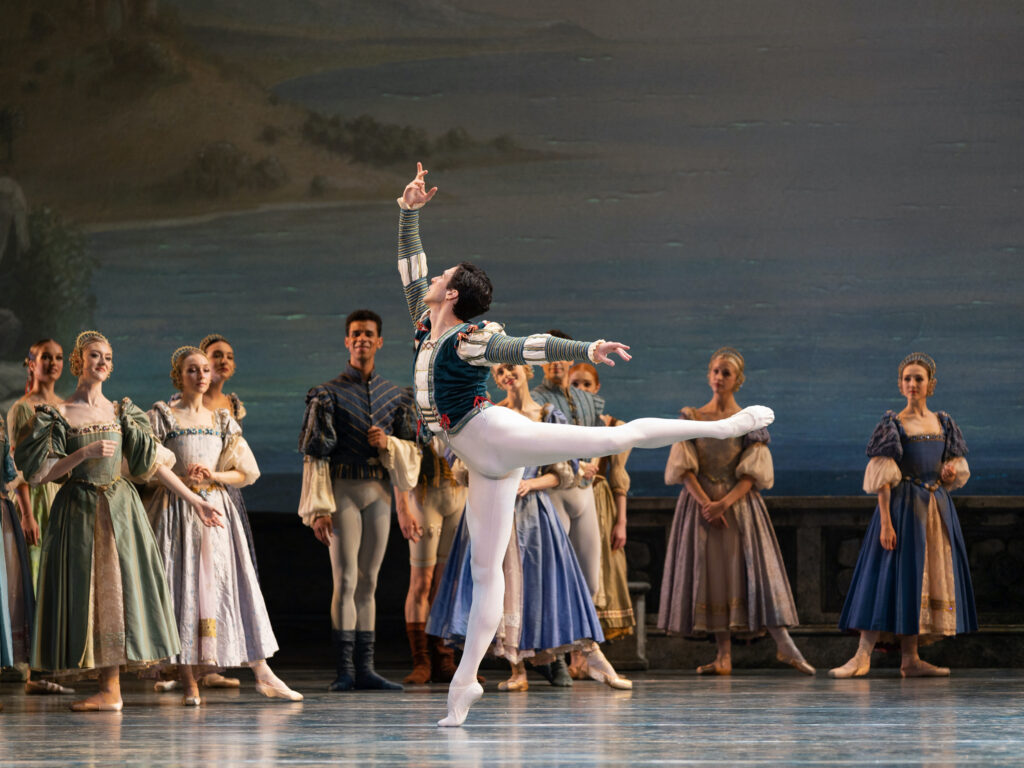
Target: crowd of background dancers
(126, 543)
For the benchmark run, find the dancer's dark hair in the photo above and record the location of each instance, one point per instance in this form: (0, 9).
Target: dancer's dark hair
(364, 314)
(475, 291)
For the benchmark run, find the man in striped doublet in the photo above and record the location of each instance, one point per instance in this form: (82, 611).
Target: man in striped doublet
(347, 440)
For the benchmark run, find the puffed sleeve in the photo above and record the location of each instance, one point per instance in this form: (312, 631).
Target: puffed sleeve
(236, 453)
(682, 458)
(402, 461)
(473, 348)
(880, 472)
(141, 453)
(756, 462)
(41, 443)
(318, 437)
(18, 418)
(160, 419)
(885, 440)
(317, 497)
(956, 446)
(237, 407)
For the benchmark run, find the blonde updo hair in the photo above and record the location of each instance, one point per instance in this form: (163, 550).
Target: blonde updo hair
(734, 357)
(85, 339)
(177, 359)
(925, 361)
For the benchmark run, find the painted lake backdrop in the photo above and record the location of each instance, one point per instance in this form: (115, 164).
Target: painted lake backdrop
(825, 190)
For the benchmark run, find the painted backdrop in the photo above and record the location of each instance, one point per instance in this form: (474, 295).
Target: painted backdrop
(825, 188)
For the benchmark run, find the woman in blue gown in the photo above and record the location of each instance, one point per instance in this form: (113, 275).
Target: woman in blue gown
(548, 609)
(912, 578)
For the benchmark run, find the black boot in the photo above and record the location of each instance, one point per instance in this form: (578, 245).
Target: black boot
(366, 678)
(344, 642)
(560, 674)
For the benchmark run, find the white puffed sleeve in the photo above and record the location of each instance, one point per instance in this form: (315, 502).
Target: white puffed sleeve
(317, 498)
(756, 462)
(238, 456)
(880, 472)
(402, 461)
(164, 458)
(473, 348)
(681, 459)
(44, 470)
(963, 473)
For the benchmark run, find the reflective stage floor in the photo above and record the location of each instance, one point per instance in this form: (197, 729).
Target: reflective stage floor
(974, 718)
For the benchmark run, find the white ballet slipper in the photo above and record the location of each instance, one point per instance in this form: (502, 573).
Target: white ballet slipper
(460, 699)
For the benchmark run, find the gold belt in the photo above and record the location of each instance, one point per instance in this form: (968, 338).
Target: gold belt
(932, 487)
(96, 486)
(204, 489)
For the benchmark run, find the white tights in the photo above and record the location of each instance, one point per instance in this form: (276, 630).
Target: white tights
(496, 445)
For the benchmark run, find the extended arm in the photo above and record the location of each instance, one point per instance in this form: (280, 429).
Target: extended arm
(490, 346)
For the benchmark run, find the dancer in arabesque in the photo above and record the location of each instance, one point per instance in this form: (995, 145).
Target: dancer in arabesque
(452, 363)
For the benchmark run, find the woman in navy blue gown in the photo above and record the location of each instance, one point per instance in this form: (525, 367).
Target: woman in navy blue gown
(912, 578)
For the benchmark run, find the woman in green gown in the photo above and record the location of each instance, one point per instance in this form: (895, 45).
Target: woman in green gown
(102, 599)
(45, 363)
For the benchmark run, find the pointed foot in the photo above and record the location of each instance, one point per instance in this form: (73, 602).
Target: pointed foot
(460, 699)
(798, 663)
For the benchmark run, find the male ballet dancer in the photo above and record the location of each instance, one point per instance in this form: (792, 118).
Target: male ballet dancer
(453, 360)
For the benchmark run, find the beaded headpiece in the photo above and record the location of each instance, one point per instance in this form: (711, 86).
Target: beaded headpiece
(734, 356)
(919, 358)
(85, 338)
(178, 355)
(213, 338)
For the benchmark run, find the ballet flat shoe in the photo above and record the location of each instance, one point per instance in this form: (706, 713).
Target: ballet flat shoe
(800, 665)
(273, 692)
(460, 699)
(191, 701)
(513, 685)
(165, 686)
(45, 688)
(215, 680)
(714, 669)
(96, 706)
(928, 671)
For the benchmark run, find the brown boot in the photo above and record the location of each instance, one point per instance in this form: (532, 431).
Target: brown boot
(420, 674)
(442, 661)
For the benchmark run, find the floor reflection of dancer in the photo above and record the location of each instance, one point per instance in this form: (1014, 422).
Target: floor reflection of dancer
(548, 609)
(103, 601)
(611, 486)
(452, 361)
(912, 578)
(222, 617)
(724, 573)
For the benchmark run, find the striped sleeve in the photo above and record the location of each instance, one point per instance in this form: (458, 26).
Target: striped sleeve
(412, 263)
(490, 346)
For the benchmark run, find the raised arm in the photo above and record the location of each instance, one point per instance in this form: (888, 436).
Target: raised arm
(412, 259)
